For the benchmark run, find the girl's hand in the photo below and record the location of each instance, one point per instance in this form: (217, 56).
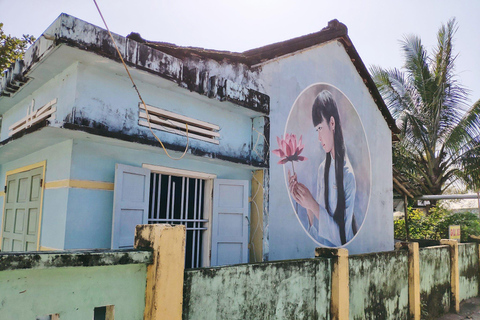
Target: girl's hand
(292, 182)
(305, 199)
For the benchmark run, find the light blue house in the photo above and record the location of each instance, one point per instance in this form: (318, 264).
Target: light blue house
(82, 167)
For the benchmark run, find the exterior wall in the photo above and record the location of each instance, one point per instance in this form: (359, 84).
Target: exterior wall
(40, 292)
(105, 100)
(297, 289)
(379, 286)
(89, 223)
(62, 87)
(54, 212)
(468, 269)
(283, 80)
(434, 281)
(95, 96)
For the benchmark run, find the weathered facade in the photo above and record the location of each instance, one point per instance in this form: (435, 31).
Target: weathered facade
(81, 166)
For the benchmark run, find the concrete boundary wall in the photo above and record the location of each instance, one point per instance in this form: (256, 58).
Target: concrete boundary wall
(435, 281)
(468, 261)
(292, 289)
(146, 283)
(408, 283)
(379, 286)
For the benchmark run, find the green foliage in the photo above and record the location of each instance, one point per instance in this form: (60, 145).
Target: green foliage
(12, 48)
(434, 226)
(440, 132)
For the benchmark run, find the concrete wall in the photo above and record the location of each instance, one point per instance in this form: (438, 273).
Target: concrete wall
(54, 212)
(62, 86)
(468, 261)
(105, 100)
(89, 223)
(379, 286)
(297, 289)
(283, 80)
(59, 287)
(434, 281)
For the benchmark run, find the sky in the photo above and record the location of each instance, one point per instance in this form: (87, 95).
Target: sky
(374, 26)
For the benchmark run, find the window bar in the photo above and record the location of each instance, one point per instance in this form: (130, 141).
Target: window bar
(181, 220)
(183, 196)
(152, 209)
(186, 208)
(194, 224)
(168, 196)
(159, 182)
(173, 201)
(198, 224)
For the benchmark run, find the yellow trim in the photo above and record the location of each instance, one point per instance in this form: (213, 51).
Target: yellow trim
(42, 248)
(41, 206)
(2, 194)
(27, 168)
(256, 217)
(80, 184)
(23, 169)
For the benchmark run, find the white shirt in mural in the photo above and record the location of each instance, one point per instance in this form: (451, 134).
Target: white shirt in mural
(326, 230)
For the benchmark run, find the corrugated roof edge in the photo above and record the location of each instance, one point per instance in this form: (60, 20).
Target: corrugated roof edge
(335, 30)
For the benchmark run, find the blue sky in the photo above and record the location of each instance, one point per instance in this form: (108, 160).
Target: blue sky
(375, 27)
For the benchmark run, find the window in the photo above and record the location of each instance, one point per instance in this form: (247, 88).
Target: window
(175, 123)
(180, 200)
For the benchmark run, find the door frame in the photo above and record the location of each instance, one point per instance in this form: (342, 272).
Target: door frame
(207, 201)
(42, 188)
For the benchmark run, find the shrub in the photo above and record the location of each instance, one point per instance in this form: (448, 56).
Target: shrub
(434, 225)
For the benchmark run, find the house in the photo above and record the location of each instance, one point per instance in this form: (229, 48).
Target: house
(82, 167)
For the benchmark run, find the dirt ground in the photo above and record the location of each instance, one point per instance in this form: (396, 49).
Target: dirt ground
(469, 309)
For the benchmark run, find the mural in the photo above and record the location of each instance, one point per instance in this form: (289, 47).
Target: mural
(325, 155)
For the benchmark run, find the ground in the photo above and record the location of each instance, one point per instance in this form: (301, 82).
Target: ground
(469, 309)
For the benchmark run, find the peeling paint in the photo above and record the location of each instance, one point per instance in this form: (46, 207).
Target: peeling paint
(207, 78)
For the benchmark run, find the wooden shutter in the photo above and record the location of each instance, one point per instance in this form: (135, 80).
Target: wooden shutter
(130, 203)
(230, 222)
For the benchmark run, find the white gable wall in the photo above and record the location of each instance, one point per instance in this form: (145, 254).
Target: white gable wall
(283, 80)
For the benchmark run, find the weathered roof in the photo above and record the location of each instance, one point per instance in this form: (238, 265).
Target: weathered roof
(168, 61)
(334, 31)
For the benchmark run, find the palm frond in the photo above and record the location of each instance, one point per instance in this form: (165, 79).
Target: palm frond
(440, 135)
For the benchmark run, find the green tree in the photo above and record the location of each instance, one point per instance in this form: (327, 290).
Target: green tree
(12, 48)
(439, 139)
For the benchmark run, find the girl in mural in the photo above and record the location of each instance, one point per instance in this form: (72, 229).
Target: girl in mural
(330, 213)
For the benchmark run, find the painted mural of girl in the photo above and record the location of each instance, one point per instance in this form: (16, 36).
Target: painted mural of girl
(330, 213)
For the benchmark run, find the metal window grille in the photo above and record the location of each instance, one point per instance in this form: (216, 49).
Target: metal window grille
(179, 200)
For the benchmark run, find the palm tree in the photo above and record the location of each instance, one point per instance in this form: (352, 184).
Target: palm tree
(440, 134)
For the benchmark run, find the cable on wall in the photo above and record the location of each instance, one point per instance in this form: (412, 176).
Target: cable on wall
(138, 92)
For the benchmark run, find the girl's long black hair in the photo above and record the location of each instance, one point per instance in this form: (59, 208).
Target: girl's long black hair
(324, 107)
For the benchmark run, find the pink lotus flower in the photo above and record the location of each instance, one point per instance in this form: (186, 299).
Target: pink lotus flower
(289, 149)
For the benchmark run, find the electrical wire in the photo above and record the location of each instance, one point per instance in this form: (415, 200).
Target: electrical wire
(138, 92)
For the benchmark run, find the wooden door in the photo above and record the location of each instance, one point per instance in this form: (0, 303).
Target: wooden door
(230, 222)
(22, 211)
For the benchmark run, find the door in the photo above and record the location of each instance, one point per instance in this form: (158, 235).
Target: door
(22, 211)
(130, 203)
(230, 222)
